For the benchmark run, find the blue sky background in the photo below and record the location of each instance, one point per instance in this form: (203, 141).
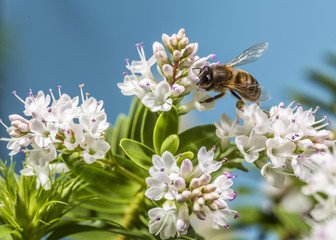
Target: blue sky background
(80, 41)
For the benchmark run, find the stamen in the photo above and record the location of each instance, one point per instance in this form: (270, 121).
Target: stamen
(213, 148)
(3, 123)
(59, 90)
(158, 219)
(236, 216)
(228, 175)
(86, 95)
(14, 92)
(225, 159)
(162, 169)
(180, 155)
(52, 95)
(124, 73)
(212, 56)
(81, 90)
(218, 62)
(126, 60)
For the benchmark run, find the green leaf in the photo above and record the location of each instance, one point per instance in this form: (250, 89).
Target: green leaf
(195, 138)
(139, 153)
(120, 131)
(136, 122)
(6, 230)
(147, 128)
(166, 125)
(183, 156)
(291, 221)
(90, 173)
(170, 144)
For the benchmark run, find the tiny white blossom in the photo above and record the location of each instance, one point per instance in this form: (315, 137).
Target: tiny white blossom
(165, 164)
(158, 99)
(206, 164)
(94, 148)
(251, 146)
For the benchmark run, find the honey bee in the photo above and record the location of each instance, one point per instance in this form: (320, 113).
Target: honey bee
(241, 84)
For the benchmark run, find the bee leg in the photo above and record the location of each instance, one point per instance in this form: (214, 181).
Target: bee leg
(240, 103)
(213, 98)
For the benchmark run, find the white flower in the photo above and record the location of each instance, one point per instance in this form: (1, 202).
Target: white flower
(73, 136)
(303, 166)
(94, 148)
(206, 164)
(323, 231)
(38, 103)
(160, 185)
(218, 218)
(95, 124)
(163, 220)
(131, 86)
(197, 102)
(43, 133)
(143, 66)
(279, 150)
(273, 175)
(223, 184)
(324, 209)
(251, 146)
(164, 164)
(41, 157)
(158, 99)
(228, 129)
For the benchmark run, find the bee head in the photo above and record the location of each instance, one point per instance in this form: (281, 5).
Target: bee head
(205, 77)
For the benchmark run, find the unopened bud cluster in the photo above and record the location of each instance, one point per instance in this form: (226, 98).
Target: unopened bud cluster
(181, 57)
(188, 189)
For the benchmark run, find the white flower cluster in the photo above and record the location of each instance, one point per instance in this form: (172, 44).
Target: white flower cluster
(57, 125)
(187, 189)
(178, 77)
(279, 141)
(324, 231)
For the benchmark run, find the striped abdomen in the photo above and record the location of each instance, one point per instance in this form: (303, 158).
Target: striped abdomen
(247, 86)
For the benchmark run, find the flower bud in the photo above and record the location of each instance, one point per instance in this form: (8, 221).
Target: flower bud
(177, 55)
(179, 183)
(168, 71)
(195, 183)
(180, 198)
(221, 203)
(210, 188)
(186, 195)
(205, 178)
(161, 58)
(207, 197)
(214, 196)
(201, 201)
(177, 90)
(196, 207)
(184, 42)
(196, 193)
(15, 133)
(186, 63)
(16, 117)
(181, 34)
(173, 41)
(23, 127)
(166, 41)
(183, 222)
(213, 206)
(190, 50)
(157, 47)
(186, 167)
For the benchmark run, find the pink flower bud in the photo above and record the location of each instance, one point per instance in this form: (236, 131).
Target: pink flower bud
(177, 55)
(196, 207)
(221, 203)
(181, 34)
(210, 188)
(23, 127)
(213, 206)
(196, 193)
(186, 168)
(184, 42)
(205, 179)
(201, 201)
(173, 41)
(16, 117)
(157, 47)
(186, 195)
(166, 40)
(195, 183)
(201, 215)
(190, 50)
(168, 71)
(179, 183)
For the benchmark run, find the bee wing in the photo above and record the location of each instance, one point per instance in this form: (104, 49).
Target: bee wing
(250, 89)
(249, 55)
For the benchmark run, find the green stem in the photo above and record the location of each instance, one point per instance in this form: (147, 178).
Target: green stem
(131, 175)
